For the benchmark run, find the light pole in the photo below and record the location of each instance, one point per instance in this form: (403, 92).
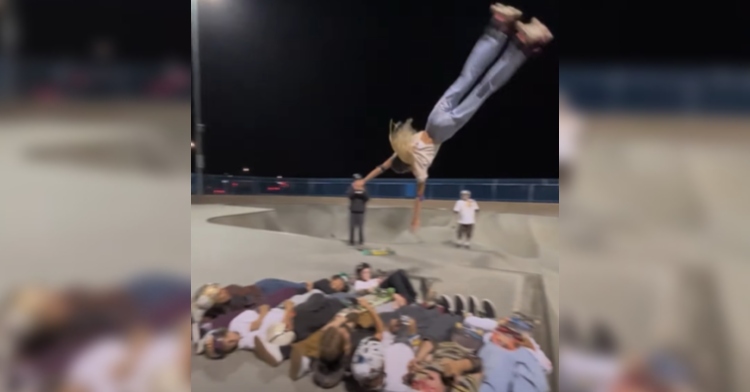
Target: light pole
(200, 162)
(9, 32)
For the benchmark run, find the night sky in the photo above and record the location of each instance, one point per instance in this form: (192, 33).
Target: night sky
(306, 89)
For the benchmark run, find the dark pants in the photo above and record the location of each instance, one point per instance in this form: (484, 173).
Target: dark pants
(465, 230)
(357, 222)
(400, 282)
(270, 286)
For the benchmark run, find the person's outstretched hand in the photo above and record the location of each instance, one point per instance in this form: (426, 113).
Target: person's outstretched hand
(358, 185)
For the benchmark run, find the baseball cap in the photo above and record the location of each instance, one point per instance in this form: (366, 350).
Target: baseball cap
(357, 176)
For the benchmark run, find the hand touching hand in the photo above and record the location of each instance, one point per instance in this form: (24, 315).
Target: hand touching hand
(451, 368)
(364, 303)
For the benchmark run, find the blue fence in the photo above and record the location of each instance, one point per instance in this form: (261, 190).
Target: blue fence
(521, 190)
(659, 89)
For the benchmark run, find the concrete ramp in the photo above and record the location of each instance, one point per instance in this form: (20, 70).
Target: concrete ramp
(525, 236)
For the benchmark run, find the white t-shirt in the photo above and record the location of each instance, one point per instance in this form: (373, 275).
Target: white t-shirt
(93, 368)
(467, 211)
(397, 358)
(362, 285)
(424, 154)
(241, 325)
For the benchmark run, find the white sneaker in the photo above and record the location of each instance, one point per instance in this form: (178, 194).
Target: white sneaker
(268, 352)
(299, 365)
(533, 34)
(505, 14)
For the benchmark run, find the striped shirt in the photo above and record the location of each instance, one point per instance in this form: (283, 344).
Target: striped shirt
(469, 382)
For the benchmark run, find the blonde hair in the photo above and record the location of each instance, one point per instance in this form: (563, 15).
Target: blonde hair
(401, 136)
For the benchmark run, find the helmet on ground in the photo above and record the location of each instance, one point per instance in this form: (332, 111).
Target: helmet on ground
(368, 361)
(279, 335)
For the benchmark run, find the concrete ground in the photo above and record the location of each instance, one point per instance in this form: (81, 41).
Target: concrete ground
(514, 264)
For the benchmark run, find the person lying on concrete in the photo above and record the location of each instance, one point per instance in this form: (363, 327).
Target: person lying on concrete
(473, 360)
(300, 325)
(211, 301)
(335, 284)
(338, 341)
(397, 280)
(510, 363)
(515, 323)
(238, 329)
(215, 300)
(413, 331)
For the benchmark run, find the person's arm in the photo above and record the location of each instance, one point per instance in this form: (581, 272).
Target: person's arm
(382, 168)
(350, 193)
(262, 313)
(379, 327)
(289, 314)
(424, 350)
(365, 196)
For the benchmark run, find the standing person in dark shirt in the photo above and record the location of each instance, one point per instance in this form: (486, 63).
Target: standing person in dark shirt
(358, 199)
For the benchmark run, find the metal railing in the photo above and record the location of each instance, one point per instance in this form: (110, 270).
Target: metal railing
(511, 190)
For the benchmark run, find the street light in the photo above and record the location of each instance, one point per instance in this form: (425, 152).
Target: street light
(200, 163)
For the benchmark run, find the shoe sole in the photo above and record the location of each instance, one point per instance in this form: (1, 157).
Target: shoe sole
(461, 304)
(448, 302)
(490, 311)
(263, 354)
(473, 304)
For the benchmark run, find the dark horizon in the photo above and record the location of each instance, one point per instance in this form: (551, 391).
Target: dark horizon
(307, 90)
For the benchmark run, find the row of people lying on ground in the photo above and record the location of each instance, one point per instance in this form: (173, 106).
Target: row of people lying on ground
(388, 340)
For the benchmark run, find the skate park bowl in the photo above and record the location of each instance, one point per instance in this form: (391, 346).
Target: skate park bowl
(513, 261)
(524, 236)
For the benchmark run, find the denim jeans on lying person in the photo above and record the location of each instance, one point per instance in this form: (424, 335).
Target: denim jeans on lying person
(270, 286)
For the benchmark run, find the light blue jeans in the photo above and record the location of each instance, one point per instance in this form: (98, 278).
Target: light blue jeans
(459, 104)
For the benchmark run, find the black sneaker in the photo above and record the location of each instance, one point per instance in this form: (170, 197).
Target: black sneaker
(473, 305)
(461, 305)
(446, 303)
(488, 309)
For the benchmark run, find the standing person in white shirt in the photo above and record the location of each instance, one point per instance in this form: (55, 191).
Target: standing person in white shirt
(466, 209)
(501, 50)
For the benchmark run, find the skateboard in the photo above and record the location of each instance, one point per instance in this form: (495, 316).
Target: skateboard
(377, 252)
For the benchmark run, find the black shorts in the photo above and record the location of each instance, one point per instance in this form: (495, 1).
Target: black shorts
(466, 230)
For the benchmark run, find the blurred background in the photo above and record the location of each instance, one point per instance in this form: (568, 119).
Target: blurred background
(95, 246)
(655, 216)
